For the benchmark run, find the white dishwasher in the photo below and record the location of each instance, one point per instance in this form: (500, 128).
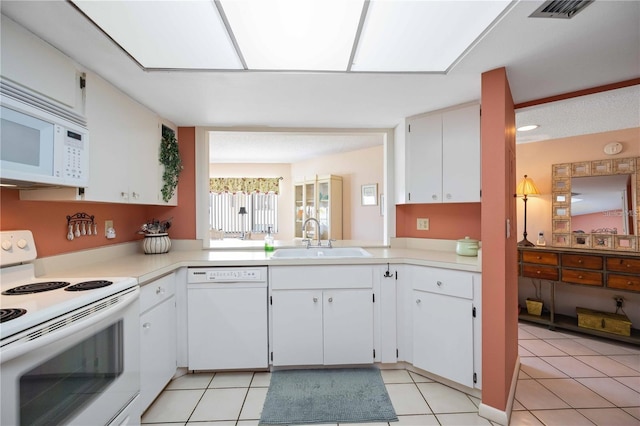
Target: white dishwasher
(227, 318)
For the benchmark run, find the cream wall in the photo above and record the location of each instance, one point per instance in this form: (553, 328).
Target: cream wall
(535, 160)
(285, 200)
(357, 168)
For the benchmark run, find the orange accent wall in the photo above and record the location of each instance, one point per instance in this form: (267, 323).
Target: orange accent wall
(446, 221)
(48, 219)
(499, 261)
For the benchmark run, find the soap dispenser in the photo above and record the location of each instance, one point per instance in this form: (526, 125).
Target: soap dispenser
(268, 241)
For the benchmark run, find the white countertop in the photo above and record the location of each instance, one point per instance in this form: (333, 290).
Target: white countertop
(128, 260)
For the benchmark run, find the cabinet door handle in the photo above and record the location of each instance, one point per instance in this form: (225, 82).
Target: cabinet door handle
(146, 325)
(330, 299)
(159, 290)
(439, 283)
(418, 301)
(579, 260)
(448, 196)
(315, 300)
(434, 197)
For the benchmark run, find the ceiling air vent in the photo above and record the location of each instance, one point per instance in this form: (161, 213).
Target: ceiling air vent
(563, 9)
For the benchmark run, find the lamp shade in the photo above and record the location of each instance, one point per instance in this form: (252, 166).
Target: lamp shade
(527, 187)
(243, 210)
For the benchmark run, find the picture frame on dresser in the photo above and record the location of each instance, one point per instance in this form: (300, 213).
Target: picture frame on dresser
(575, 222)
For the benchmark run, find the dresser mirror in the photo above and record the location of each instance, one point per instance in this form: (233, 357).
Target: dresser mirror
(595, 204)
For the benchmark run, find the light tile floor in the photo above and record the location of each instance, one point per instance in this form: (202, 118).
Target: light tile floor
(565, 379)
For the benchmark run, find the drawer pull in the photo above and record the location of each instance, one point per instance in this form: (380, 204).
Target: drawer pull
(538, 272)
(330, 299)
(579, 277)
(579, 260)
(315, 300)
(418, 301)
(146, 325)
(539, 258)
(603, 325)
(629, 283)
(159, 290)
(439, 283)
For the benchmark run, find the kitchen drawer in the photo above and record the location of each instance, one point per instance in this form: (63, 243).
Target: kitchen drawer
(582, 277)
(624, 282)
(157, 291)
(443, 281)
(540, 258)
(623, 264)
(320, 277)
(540, 271)
(582, 261)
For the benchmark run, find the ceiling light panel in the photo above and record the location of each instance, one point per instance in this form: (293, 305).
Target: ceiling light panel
(166, 34)
(312, 35)
(421, 35)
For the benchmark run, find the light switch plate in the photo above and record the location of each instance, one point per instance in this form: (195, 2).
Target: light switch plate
(107, 224)
(423, 224)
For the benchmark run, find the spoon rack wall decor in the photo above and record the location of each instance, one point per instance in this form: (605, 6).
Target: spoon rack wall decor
(79, 225)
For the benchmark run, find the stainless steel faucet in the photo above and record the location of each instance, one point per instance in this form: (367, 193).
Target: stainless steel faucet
(304, 227)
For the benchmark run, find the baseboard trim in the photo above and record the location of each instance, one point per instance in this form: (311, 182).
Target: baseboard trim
(499, 416)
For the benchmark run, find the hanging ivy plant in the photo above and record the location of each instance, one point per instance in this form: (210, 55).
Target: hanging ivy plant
(170, 159)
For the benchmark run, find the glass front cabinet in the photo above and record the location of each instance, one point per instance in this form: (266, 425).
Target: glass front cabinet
(318, 197)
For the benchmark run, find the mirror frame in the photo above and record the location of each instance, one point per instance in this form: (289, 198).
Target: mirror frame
(562, 233)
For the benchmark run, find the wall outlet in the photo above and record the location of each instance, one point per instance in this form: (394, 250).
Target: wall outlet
(107, 224)
(423, 224)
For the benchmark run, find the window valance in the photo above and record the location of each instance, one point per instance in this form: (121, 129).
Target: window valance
(245, 185)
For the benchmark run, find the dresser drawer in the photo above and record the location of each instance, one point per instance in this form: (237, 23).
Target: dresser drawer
(540, 271)
(624, 282)
(540, 258)
(623, 264)
(582, 261)
(582, 277)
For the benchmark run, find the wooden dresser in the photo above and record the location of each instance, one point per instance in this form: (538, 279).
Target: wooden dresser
(619, 271)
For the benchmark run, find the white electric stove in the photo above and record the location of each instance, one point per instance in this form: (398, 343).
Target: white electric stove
(69, 347)
(26, 301)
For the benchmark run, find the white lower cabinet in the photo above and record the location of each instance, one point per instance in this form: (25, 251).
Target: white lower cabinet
(322, 315)
(445, 330)
(157, 338)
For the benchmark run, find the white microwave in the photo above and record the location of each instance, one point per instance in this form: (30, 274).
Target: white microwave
(40, 148)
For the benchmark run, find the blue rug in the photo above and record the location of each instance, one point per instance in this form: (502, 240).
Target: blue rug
(350, 395)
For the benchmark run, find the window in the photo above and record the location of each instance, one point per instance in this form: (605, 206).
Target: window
(261, 208)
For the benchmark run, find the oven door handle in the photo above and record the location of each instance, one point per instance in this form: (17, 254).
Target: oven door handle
(22, 345)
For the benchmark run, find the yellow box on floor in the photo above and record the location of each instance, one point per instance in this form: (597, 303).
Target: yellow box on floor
(604, 321)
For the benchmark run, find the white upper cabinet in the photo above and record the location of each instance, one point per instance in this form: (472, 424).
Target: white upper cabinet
(442, 157)
(125, 146)
(424, 159)
(38, 66)
(461, 155)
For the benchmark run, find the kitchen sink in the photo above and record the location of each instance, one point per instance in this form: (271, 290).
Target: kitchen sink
(319, 253)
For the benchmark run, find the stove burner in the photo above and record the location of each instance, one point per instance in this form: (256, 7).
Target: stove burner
(35, 288)
(11, 313)
(89, 285)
